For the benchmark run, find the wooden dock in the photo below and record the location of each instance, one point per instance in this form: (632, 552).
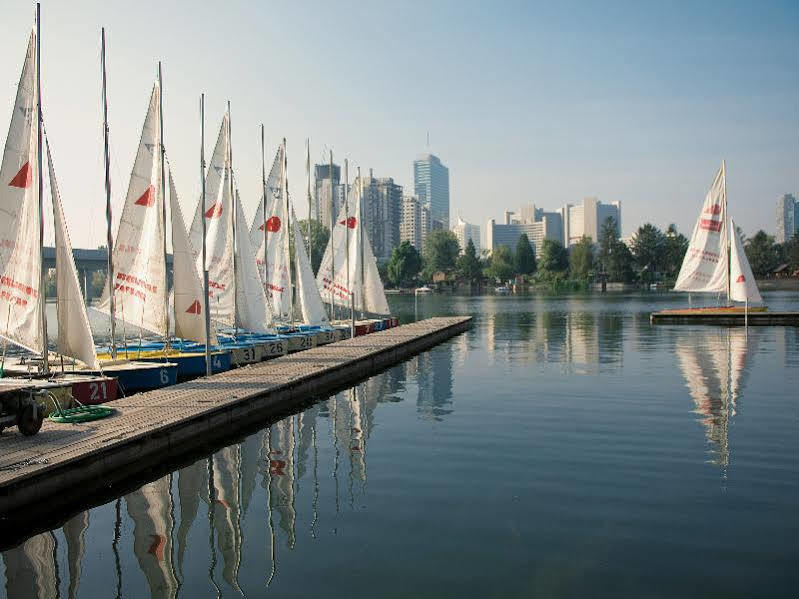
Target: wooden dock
(725, 318)
(68, 464)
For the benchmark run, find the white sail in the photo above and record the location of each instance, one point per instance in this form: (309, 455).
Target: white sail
(187, 285)
(363, 281)
(743, 287)
(272, 190)
(74, 333)
(20, 257)
(308, 299)
(219, 232)
(139, 264)
(371, 297)
(252, 310)
(274, 261)
(704, 267)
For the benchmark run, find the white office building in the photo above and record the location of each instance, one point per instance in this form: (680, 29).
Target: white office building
(464, 232)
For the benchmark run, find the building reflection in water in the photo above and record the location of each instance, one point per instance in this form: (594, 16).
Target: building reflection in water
(715, 364)
(579, 342)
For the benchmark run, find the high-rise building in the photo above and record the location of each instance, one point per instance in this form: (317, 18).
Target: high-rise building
(587, 219)
(382, 208)
(431, 186)
(509, 234)
(415, 222)
(464, 232)
(322, 203)
(787, 218)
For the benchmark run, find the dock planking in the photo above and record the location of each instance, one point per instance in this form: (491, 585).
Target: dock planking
(64, 463)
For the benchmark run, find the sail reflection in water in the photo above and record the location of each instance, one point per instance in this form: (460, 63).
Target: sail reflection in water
(715, 363)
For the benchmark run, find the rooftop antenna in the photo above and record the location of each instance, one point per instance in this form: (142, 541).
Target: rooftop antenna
(428, 140)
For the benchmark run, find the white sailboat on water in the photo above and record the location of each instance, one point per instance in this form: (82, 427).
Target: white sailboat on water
(715, 261)
(274, 219)
(22, 289)
(357, 285)
(237, 299)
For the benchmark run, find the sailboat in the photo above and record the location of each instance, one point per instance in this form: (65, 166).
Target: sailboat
(291, 289)
(22, 289)
(137, 292)
(715, 261)
(238, 304)
(357, 286)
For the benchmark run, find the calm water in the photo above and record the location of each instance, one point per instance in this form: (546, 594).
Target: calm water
(562, 447)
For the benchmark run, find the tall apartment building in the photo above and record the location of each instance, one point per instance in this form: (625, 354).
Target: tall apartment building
(508, 234)
(787, 218)
(431, 186)
(587, 219)
(464, 232)
(415, 222)
(382, 208)
(322, 202)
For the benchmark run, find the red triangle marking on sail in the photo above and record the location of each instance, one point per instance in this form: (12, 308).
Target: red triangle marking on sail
(223, 503)
(350, 222)
(272, 224)
(157, 547)
(23, 178)
(194, 308)
(147, 198)
(740, 279)
(214, 211)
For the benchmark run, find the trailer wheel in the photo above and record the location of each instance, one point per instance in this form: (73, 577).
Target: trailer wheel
(29, 420)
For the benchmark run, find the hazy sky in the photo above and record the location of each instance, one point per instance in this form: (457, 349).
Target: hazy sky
(525, 102)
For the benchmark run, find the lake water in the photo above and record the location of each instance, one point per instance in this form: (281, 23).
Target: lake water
(561, 447)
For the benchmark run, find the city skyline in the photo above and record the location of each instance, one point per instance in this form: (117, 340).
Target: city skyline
(637, 104)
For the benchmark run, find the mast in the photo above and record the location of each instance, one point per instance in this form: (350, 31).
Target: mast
(263, 185)
(42, 278)
(288, 230)
(108, 215)
(360, 236)
(347, 226)
(163, 201)
(206, 301)
(308, 176)
(727, 223)
(332, 249)
(232, 218)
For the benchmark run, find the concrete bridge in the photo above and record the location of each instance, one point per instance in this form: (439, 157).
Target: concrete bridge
(88, 262)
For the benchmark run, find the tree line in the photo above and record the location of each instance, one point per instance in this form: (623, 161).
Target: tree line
(652, 255)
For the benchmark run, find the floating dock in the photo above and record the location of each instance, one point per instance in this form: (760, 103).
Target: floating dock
(69, 464)
(725, 317)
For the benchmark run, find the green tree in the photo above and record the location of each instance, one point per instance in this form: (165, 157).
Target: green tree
(468, 265)
(620, 263)
(440, 252)
(404, 265)
(790, 252)
(674, 247)
(608, 237)
(501, 266)
(554, 257)
(762, 253)
(581, 258)
(648, 247)
(320, 235)
(524, 258)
